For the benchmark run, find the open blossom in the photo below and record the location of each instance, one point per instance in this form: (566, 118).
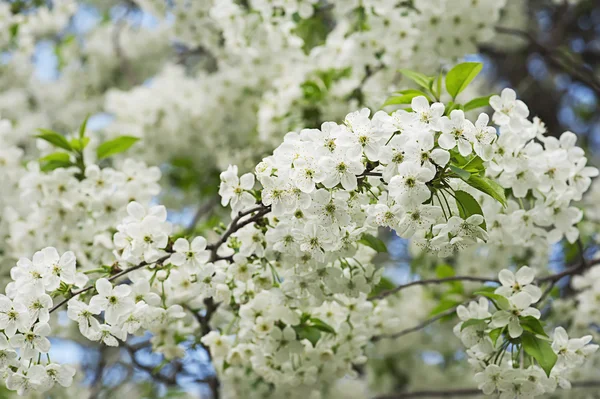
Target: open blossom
(115, 301)
(193, 254)
(236, 190)
(520, 282)
(519, 306)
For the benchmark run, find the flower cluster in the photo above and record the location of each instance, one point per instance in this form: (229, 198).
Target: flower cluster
(76, 210)
(534, 365)
(283, 300)
(24, 317)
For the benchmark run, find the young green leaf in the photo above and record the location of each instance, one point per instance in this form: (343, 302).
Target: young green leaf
(478, 103)
(54, 138)
(540, 350)
(474, 165)
(467, 206)
(473, 322)
(463, 174)
(533, 325)
(405, 97)
(79, 144)
(385, 284)
(420, 79)
(495, 334)
(444, 271)
(83, 127)
(311, 333)
(54, 161)
(321, 325)
(489, 187)
(501, 302)
(459, 77)
(115, 146)
(373, 242)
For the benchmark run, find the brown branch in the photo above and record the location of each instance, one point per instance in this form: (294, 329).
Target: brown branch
(555, 58)
(433, 281)
(419, 326)
(236, 224)
(582, 265)
(116, 276)
(201, 212)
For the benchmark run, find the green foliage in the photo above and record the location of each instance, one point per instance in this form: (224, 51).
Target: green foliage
(473, 322)
(499, 301)
(463, 174)
(54, 138)
(483, 184)
(477, 103)
(371, 241)
(488, 186)
(467, 206)
(385, 284)
(313, 30)
(54, 161)
(495, 334)
(459, 77)
(312, 328)
(420, 79)
(115, 146)
(404, 97)
(540, 350)
(533, 325)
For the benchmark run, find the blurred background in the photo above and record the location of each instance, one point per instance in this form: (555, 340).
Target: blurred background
(207, 83)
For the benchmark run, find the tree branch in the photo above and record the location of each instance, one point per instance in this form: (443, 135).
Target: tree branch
(577, 71)
(433, 281)
(236, 224)
(116, 276)
(553, 278)
(421, 325)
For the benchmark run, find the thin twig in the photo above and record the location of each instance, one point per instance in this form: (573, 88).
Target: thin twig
(418, 326)
(433, 281)
(202, 211)
(555, 58)
(116, 276)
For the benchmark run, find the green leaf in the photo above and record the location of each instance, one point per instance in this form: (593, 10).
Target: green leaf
(79, 144)
(478, 103)
(474, 165)
(321, 325)
(495, 334)
(51, 165)
(373, 242)
(473, 322)
(54, 138)
(438, 86)
(83, 127)
(405, 97)
(56, 156)
(116, 146)
(467, 206)
(444, 305)
(540, 350)
(488, 186)
(444, 270)
(459, 77)
(463, 174)
(311, 333)
(501, 302)
(420, 79)
(385, 284)
(533, 325)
